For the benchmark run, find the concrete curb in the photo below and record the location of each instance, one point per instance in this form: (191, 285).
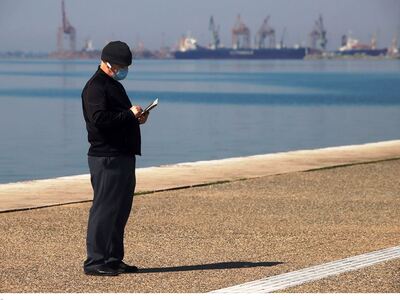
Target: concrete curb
(77, 189)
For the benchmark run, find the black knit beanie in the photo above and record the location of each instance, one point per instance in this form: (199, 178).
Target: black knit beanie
(118, 53)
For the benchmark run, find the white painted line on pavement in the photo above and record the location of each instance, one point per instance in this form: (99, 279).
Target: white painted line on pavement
(283, 281)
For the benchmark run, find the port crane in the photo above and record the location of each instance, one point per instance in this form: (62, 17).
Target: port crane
(318, 38)
(265, 32)
(281, 43)
(240, 35)
(394, 50)
(215, 34)
(66, 30)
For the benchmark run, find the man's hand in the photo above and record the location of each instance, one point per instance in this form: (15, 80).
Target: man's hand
(137, 111)
(143, 118)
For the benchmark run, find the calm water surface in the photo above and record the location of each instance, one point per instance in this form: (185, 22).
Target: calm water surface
(208, 110)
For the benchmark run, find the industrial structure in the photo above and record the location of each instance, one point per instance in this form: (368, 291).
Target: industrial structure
(66, 30)
(265, 45)
(216, 42)
(393, 50)
(240, 35)
(318, 38)
(265, 32)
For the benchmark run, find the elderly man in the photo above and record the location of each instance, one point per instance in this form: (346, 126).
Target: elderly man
(113, 130)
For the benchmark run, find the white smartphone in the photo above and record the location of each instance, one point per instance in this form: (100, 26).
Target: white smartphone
(150, 106)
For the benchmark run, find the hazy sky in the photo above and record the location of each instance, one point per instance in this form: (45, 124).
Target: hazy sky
(32, 24)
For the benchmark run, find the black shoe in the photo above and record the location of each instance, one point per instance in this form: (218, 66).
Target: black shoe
(124, 268)
(101, 271)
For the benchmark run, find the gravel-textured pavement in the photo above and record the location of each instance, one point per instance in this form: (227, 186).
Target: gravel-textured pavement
(206, 238)
(382, 278)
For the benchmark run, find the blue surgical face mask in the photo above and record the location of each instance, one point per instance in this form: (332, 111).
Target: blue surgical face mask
(121, 74)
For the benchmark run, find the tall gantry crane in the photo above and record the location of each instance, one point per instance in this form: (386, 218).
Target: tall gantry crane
(318, 38)
(265, 32)
(240, 35)
(215, 34)
(281, 42)
(66, 29)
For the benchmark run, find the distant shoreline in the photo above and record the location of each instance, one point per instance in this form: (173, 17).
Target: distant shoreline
(51, 56)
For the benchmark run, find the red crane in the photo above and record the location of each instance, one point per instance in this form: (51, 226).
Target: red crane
(66, 30)
(240, 35)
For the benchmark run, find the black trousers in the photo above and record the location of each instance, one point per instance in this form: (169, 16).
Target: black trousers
(113, 181)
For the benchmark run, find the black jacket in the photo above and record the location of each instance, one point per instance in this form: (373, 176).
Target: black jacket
(112, 127)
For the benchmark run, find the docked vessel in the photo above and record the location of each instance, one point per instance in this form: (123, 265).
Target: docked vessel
(265, 46)
(199, 52)
(353, 47)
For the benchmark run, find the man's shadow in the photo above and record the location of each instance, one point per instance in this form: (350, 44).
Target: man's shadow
(214, 266)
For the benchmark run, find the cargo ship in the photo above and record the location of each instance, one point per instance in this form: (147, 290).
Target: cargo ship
(199, 52)
(265, 46)
(353, 47)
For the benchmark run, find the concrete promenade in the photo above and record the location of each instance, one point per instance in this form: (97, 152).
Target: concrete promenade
(73, 189)
(277, 220)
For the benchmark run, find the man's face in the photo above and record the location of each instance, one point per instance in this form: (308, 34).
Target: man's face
(115, 68)
(118, 72)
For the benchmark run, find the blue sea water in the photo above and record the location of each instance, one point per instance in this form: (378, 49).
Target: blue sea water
(208, 110)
